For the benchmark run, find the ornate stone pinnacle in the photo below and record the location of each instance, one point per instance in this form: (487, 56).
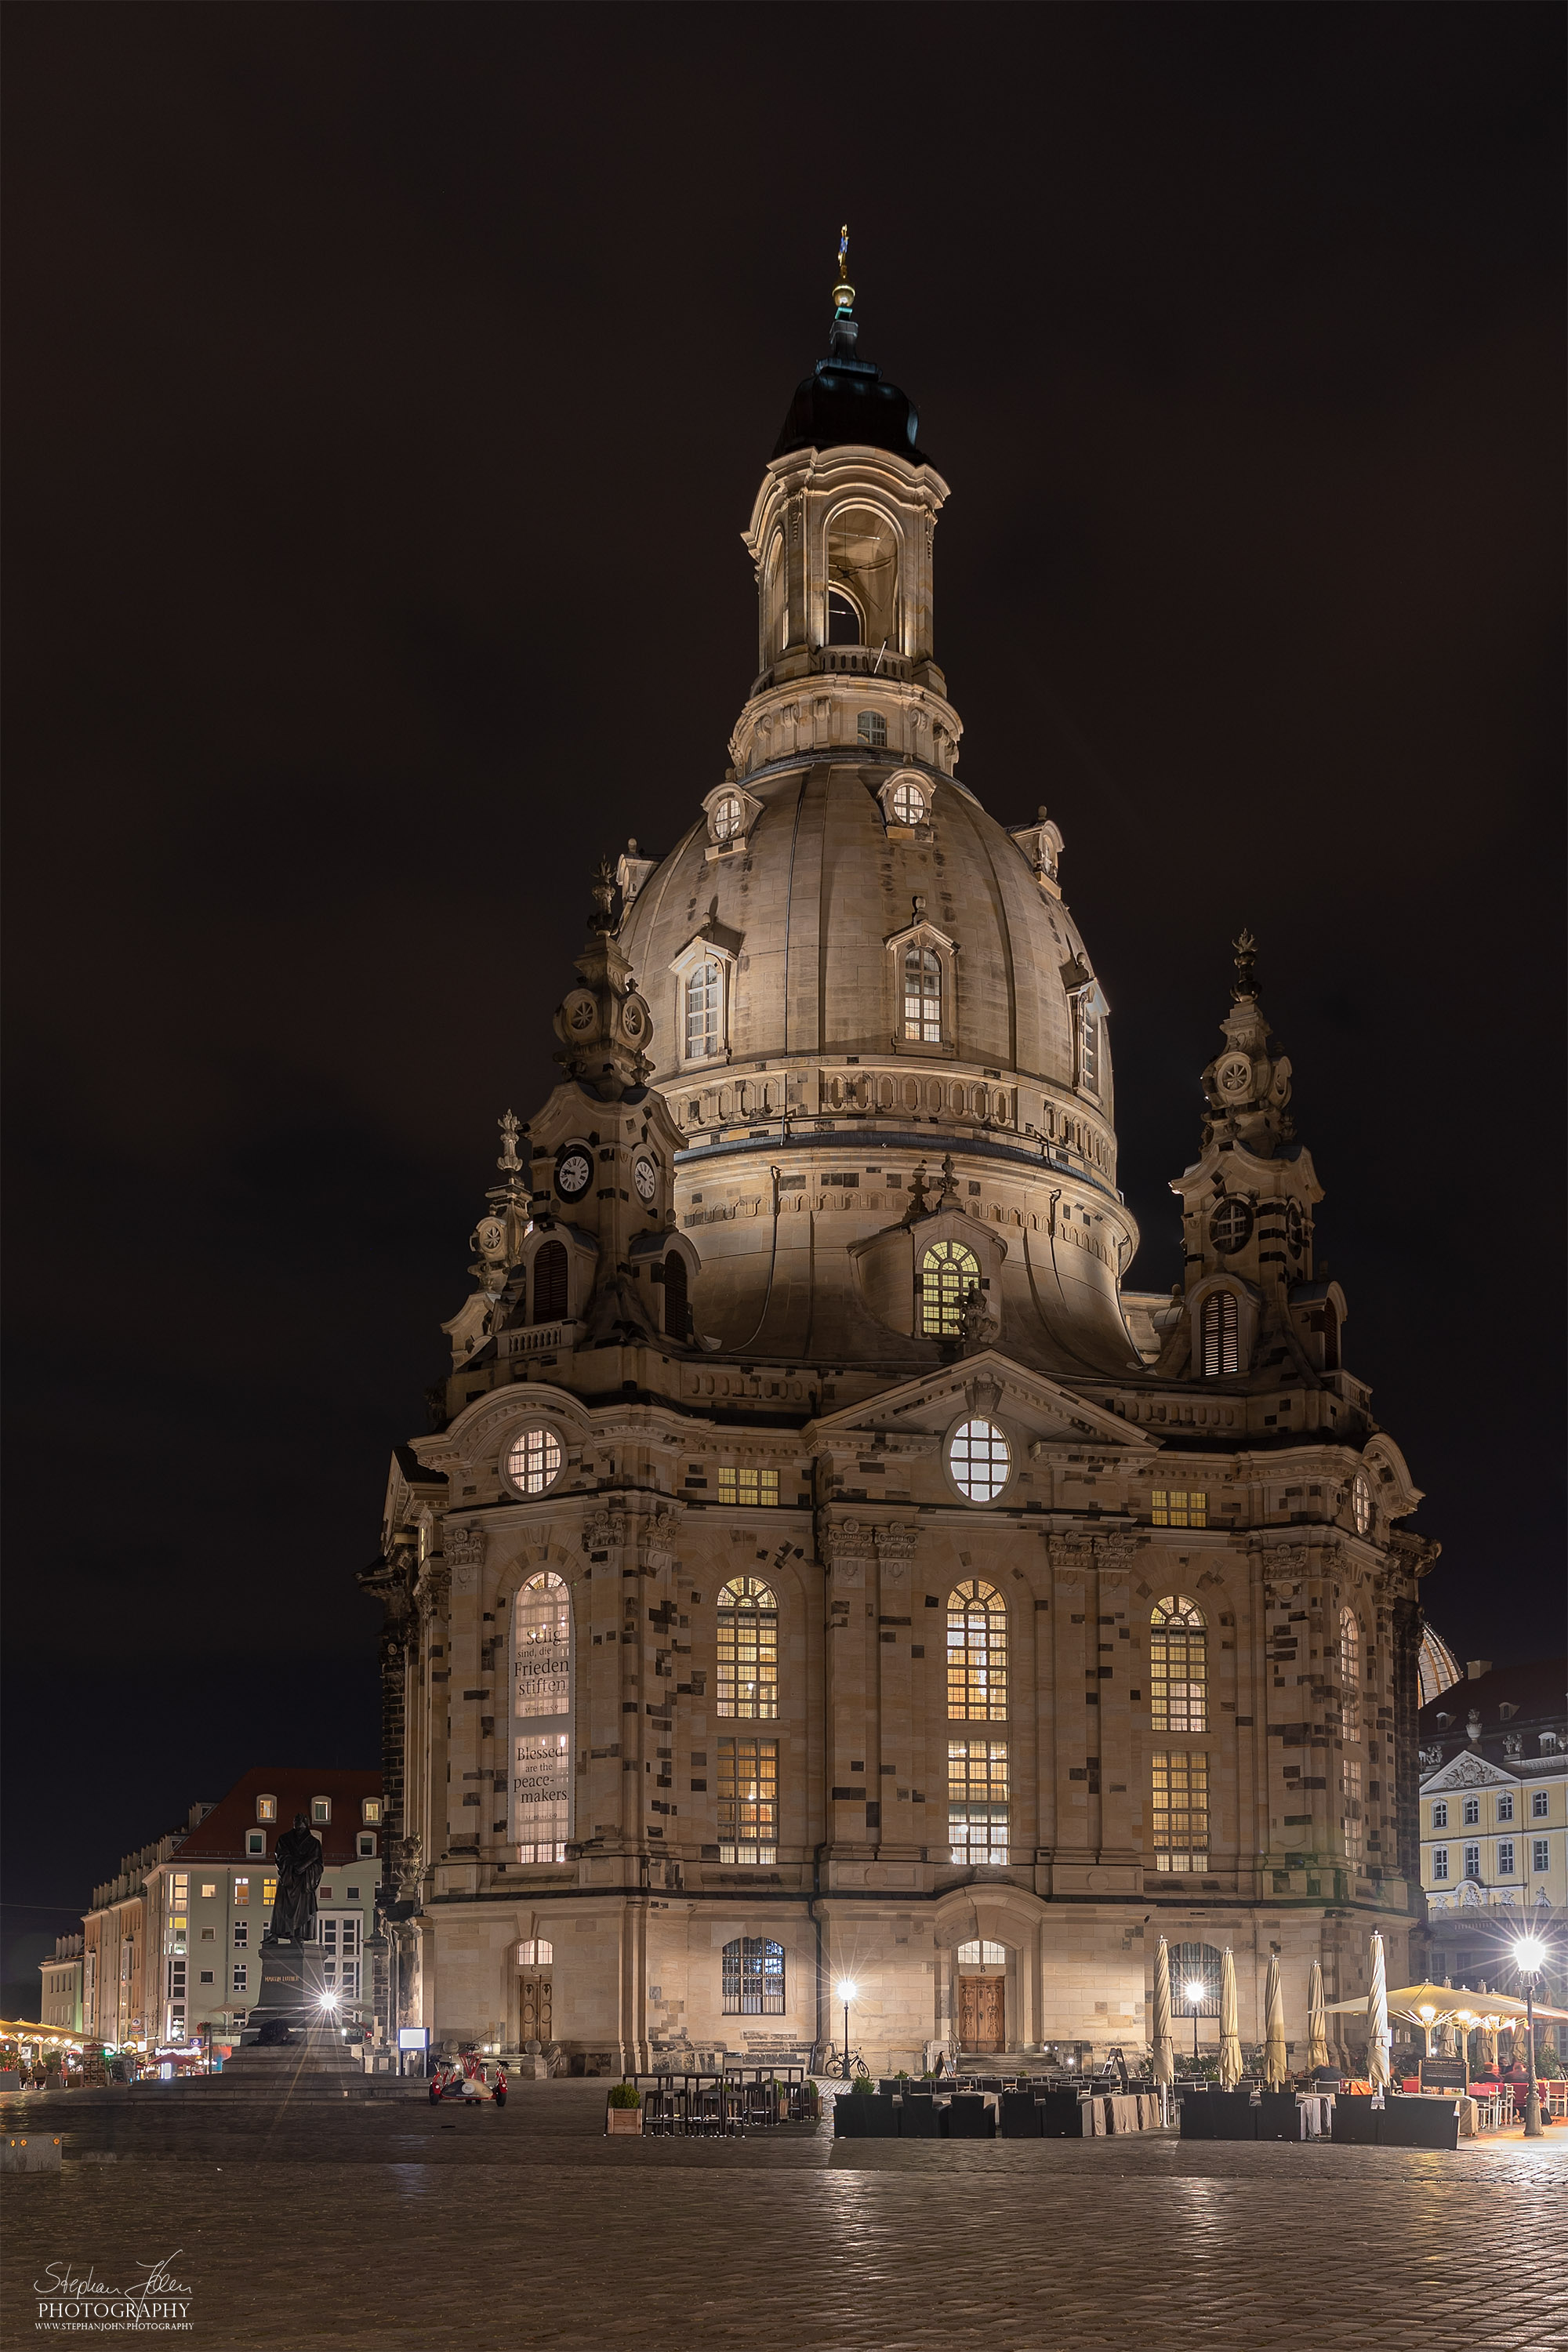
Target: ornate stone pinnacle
(1244, 986)
(601, 918)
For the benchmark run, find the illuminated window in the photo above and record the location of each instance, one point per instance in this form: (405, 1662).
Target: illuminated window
(550, 1282)
(909, 804)
(535, 1952)
(1221, 1335)
(1350, 1674)
(1178, 1665)
(533, 1461)
(979, 1457)
(754, 1978)
(1169, 1507)
(871, 729)
(977, 1801)
(209, 1888)
(1439, 1862)
(370, 1810)
(739, 1486)
(1350, 1812)
(922, 996)
(948, 1273)
(1181, 1810)
(241, 1892)
(704, 1008)
(542, 1699)
(748, 1800)
(269, 1893)
(267, 1808)
(729, 817)
(982, 1954)
(1088, 1049)
(977, 1653)
(1440, 1815)
(1361, 1504)
(321, 1811)
(748, 1649)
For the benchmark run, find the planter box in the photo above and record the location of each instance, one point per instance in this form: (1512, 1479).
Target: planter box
(1234, 2117)
(622, 2119)
(1278, 2116)
(1197, 2116)
(1020, 2115)
(864, 2118)
(1354, 2119)
(969, 2115)
(919, 2117)
(1419, 2123)
(1061, 2114)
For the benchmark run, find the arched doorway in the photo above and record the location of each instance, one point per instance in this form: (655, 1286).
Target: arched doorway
(534, 1957)
(982, 1996)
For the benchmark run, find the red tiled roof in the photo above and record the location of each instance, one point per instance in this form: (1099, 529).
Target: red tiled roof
(221, 1837)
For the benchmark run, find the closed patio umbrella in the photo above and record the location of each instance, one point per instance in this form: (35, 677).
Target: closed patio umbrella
(1164, 2050)
(1377, 2020)
(1317, 2024)
(1275, 2070)
(1229, 2024)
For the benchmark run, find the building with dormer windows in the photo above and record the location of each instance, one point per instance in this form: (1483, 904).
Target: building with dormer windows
(825, 1563)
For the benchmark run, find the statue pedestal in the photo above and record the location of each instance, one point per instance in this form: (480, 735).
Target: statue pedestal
(293, 1980)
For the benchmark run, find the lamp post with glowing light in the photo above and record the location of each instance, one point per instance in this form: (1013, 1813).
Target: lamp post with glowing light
(1195, 1989)
(1528, 1955)
(847, 1989)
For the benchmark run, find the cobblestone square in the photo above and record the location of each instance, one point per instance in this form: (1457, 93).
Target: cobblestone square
(323, 2225)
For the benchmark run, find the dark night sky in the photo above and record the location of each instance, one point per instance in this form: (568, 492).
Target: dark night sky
(387, 389)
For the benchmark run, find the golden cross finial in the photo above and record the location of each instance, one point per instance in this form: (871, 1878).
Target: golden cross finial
(844, 293)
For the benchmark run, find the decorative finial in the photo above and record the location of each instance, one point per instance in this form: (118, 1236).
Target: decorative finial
(844, 293)
(601, 918)
(508, 1133)
(1244, 986)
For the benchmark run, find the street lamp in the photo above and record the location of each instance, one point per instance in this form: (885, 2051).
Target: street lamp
(1527, 1955)
(847, 1989)
(1195, 1989)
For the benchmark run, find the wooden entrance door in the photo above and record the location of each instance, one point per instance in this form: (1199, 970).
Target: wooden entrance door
(982, 2012)
(533, 2008)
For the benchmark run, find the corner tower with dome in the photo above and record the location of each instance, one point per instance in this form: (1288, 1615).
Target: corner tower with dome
(824, 1565)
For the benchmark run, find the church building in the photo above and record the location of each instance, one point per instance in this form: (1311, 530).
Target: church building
(825, 1570)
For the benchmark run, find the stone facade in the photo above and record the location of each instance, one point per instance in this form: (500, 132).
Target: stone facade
(824, 1566)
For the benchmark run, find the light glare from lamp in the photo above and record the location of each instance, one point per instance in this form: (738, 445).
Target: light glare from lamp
(1529, 1953)
(847, 1989)
(1195, 1989)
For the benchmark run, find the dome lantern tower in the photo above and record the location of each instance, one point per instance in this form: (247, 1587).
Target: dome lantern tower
(841, 540)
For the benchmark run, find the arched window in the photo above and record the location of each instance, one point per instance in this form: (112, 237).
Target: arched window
(1178, 1665)
(1196, 1972)
(977, 1653)
(871, 729)
(778, 601)
(754, 1978)
(748, 1649)
(1179, 1809)
(549, 1282)
(1331, 1336)
(1350, 1673)
(948, 1273)
(981, 1953)
(1089, 1050)
(909, 804)
(541, 1716)
(922, 996)
(704, 1012)
(677, 1308)
(1221, 1335)
(843, 619)
(729, 817)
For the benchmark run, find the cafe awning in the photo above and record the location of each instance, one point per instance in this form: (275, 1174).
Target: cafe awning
(1430, 2004)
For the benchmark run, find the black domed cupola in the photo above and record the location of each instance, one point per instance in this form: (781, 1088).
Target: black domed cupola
(846, 401)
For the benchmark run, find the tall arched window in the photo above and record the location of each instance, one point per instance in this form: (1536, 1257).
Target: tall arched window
(1331, 1336)
(922, 996)
(948, 1273)
(754, 1978)
(1088, 1053)
(843, 619)
(541, 1719)
(748, 1649)
(1350, 1673)
(549, 1282)
(1221, 1334)
(1196, 1973)
(978, 1653)
(777, 601)
(677, 1308)
(1178, 1665)
(704, 1012)
(1179, 1808)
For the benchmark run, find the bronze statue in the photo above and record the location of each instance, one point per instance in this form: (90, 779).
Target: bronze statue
(299, 1856)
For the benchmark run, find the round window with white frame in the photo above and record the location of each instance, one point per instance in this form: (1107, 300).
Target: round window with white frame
(729, 818)
(533, 1461)
(909, 804)
(1361, 1504)
(979, 1459)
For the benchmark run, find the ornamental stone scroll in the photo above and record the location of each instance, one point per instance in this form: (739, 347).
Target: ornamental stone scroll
(464, 1552)
(848, 1547)
(895, 1551)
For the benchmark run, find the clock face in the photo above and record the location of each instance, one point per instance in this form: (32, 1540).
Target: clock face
(1235, 1075)
(573, 1173)
(643, 1178)
(491, 1237)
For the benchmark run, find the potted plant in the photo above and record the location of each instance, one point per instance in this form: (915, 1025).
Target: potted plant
(623, 2109)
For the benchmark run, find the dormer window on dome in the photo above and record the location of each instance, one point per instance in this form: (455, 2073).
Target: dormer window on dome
(732, 811)
(906, 802)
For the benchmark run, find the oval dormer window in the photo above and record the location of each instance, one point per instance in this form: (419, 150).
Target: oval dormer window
(729, 818)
